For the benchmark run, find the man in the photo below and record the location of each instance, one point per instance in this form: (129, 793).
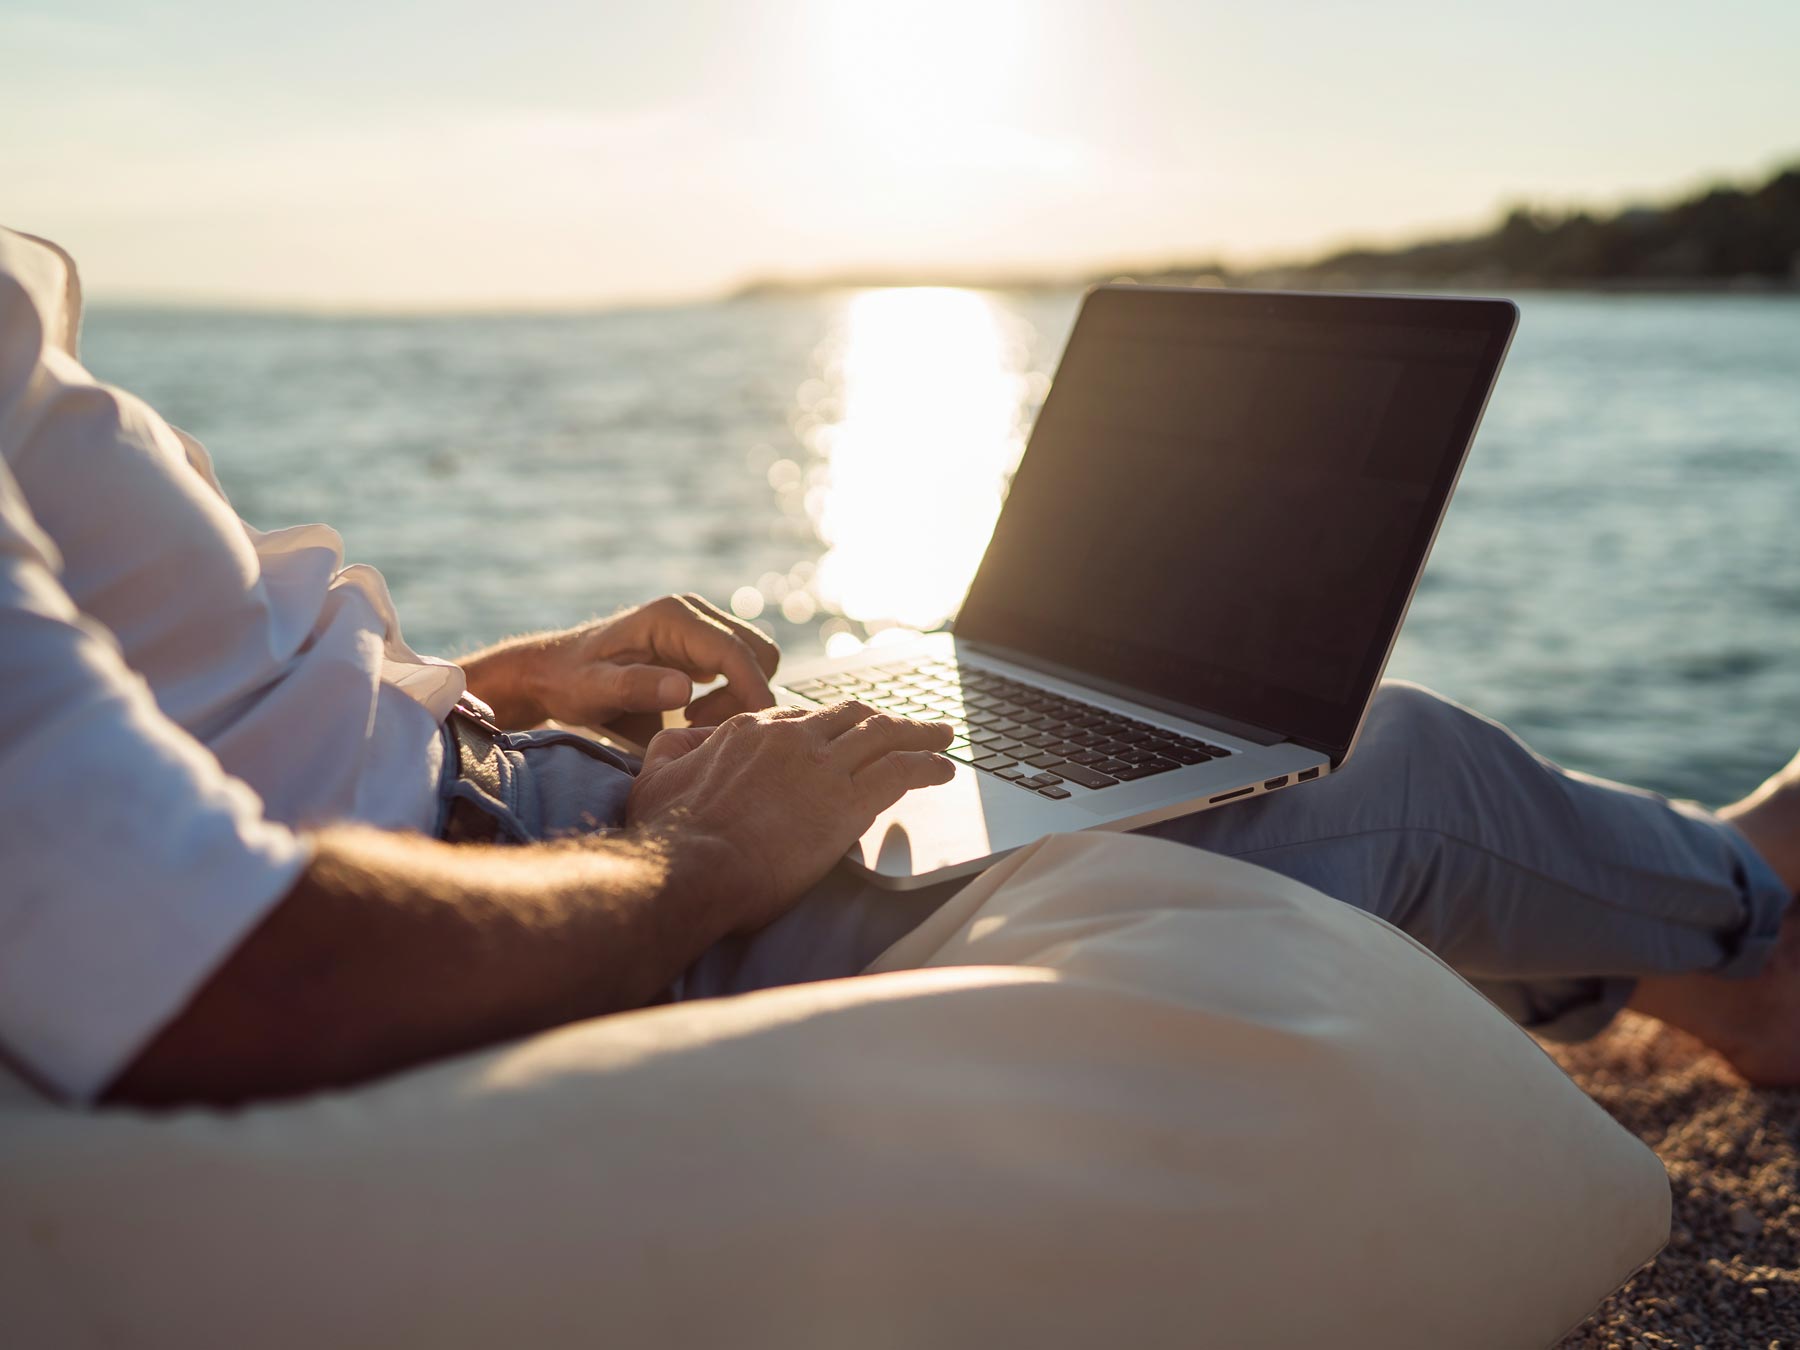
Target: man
(226, 787)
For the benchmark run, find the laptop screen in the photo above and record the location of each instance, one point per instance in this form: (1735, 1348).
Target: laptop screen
(1228, 497)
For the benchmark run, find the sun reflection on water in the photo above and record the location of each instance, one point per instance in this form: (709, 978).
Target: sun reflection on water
(921, 430)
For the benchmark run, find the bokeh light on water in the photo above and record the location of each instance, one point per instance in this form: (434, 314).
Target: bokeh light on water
(903, 438)
(927, 394)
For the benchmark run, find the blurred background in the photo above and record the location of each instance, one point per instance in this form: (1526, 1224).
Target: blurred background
(553, 307)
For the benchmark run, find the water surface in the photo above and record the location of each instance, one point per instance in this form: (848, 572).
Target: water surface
(1616, 579)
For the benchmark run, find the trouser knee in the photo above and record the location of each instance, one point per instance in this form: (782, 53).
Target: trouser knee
(1411, 728)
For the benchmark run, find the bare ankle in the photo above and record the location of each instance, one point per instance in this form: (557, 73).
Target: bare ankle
(1770, 819)
(1753, 1022)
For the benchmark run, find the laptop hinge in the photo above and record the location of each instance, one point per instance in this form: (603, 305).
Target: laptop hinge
(1230, 725)
(1334, 753)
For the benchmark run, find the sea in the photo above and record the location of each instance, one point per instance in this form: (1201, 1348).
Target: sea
(1618, 579)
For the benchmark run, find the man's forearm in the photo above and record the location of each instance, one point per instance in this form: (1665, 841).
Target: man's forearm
(392, 950)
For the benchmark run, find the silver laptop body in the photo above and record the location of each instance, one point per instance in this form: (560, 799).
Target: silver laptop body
(1205, 557)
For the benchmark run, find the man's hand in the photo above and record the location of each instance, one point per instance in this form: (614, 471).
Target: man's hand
(784, 792)
(643, 660)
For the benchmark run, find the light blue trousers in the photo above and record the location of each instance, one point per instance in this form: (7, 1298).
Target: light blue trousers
(1550, 890)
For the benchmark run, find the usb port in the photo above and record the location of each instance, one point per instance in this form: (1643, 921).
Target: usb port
(1274, 783)
(1306, 775)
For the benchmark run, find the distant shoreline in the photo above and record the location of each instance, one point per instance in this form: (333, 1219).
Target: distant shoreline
(1724, 239)
(1738, 286)
(1698, 287)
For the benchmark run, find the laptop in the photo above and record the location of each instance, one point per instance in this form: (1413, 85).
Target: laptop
(1197, 577)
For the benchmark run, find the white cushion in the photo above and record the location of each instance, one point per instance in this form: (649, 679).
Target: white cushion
(1141, 1097)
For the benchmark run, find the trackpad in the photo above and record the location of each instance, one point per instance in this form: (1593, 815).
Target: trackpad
(959, 824)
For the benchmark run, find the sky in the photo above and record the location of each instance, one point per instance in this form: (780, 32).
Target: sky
(380, 154)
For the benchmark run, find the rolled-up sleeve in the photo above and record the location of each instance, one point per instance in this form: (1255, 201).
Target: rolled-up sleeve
(130, 863)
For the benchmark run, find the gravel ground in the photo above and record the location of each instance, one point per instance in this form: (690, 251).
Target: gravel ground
(1730, 1275)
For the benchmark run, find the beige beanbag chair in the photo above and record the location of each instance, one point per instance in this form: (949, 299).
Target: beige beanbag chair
(1139, 1097)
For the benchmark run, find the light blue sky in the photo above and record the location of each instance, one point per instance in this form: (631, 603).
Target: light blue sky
(377, 153)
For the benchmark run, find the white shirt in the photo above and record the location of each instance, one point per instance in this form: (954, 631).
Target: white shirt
(181, 692)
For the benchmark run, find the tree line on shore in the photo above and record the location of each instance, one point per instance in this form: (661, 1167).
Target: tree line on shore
(1723, 236)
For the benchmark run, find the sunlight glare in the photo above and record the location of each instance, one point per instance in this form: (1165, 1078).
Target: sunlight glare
(928, 81)
(930, 399)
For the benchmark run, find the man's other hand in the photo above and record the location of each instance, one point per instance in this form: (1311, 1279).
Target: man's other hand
(786, 792)
(642, 660)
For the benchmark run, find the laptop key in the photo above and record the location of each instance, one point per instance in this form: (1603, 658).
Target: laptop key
(1054, 792)
(962, 750)
(1011, 775)
(992, 762)
(1041, 780)
(1046, 762)
(1088, 778)
(1134, 771)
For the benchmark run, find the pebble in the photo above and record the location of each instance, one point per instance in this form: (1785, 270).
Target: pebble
(1745, 1220)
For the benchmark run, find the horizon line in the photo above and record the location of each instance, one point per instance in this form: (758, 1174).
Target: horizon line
(976, 277)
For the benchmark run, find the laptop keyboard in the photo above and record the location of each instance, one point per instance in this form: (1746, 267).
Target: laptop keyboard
(1016, 731)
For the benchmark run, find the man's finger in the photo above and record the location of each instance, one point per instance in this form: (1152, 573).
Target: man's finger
(840, 717)
(672, 744)
(694, 639)
(716, 706)
(743, 675)
(761, 645)
(891, 777)
(635, 688)
(883, 734)
(703, 646)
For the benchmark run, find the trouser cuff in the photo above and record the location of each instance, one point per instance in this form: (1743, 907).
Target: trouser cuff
(1766, 900)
